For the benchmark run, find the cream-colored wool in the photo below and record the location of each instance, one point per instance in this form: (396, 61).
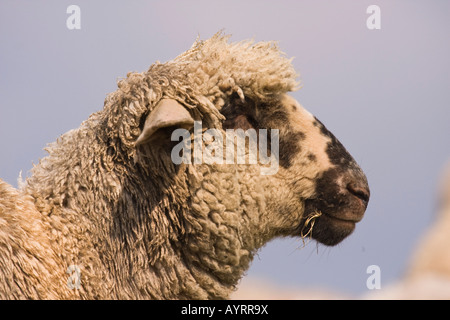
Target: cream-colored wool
(29, 266)
(137, 226)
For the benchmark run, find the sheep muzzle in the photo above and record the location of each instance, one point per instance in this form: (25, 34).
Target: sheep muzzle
(341, 199)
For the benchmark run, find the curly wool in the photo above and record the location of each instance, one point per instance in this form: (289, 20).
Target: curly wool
(202, 79)
(29, 265)
(135, 225)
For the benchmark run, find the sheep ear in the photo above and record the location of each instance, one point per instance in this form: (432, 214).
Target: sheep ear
(167, 113)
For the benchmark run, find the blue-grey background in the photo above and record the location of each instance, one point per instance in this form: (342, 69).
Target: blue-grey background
(384, 93)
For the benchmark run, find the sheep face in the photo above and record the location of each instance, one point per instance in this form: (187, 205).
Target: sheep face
(319, 189)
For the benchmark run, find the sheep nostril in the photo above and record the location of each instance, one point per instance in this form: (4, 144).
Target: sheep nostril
(359, 191)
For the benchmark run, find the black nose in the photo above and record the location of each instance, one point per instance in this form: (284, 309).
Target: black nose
(359, 190)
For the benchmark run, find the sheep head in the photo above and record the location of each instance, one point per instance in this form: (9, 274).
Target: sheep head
(320, 189)
(244, 86)
(221, 212)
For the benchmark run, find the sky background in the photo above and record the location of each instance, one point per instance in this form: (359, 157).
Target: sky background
(384, 93)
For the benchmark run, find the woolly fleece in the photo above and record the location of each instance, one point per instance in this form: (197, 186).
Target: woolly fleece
(137, 226)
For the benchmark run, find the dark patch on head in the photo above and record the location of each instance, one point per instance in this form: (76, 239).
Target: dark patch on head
(311, 157)
(238, 122)
(338, 155)
(336, 152)
(289, 147)
(323, 129)
(237, 114)
(278, 119)
(275, 116)
(266, 115)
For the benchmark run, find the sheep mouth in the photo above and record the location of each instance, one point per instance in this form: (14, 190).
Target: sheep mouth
(328, 224)
(341, 197)
(330, 230)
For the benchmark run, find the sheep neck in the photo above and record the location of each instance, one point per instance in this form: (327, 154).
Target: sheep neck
(178, 241)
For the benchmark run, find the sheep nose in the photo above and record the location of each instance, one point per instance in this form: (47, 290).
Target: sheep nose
(359, 189)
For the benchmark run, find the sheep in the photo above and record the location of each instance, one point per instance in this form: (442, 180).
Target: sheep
(109, 201)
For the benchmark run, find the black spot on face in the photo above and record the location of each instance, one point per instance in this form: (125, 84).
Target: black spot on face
(273, 115)
(289, 147)
(323, 129)
(336, 152)
(238, 122)
(277, 119)
(338, 155)
(311, 157)
(238, 114)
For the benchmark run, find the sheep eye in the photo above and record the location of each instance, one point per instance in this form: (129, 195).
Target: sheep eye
(252, 121)
(240, 121)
